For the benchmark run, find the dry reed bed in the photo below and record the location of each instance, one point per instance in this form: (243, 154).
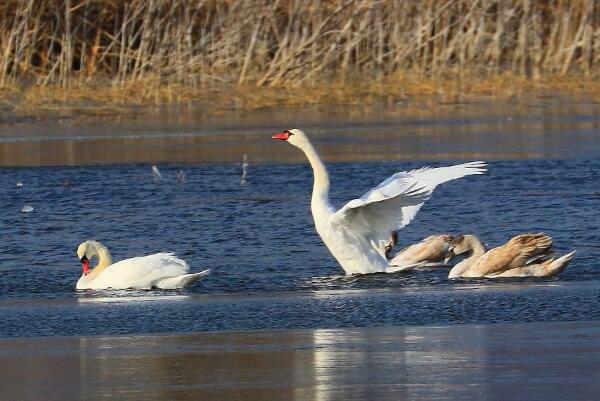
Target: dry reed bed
(145, 46)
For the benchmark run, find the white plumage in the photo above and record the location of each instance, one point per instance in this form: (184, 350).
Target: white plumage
(159, 270)
(394, 203)
(356, 233)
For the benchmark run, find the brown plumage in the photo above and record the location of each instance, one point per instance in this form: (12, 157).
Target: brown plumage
(431, 251)
(517, 252)
(522, 256)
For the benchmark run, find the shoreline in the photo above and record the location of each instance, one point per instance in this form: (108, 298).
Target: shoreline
(97, 100)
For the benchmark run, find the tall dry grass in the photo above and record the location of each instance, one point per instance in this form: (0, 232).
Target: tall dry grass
(202, 44)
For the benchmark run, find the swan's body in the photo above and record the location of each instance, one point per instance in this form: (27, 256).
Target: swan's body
(160, 270)
(526, 255)
(430, 252)
(355, 232)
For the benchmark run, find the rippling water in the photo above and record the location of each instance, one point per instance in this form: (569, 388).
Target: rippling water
(269, 268)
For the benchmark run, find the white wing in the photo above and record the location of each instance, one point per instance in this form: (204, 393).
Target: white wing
(395, 202)
(141, 272)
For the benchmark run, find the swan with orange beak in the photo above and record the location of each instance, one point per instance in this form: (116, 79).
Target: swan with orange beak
(159, 270)
(354, 234)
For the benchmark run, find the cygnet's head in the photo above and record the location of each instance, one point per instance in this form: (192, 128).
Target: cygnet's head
(458, 246)
(462, 244)
(293, 136)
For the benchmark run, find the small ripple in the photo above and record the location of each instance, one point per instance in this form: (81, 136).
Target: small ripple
(260, 238)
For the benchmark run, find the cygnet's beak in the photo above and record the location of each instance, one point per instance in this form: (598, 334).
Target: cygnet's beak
(449, 256)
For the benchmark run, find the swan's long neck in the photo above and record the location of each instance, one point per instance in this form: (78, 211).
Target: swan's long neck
(477, 250)
(320, 194)
(104, 259)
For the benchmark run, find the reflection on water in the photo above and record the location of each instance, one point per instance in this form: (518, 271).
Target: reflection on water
(540, 128)
(398, 363)
(119, 298)
(465, 362)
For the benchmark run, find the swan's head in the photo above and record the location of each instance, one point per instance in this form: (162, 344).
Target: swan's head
(293, 136)
(86, 251)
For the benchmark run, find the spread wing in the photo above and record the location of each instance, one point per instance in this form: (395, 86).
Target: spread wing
(396, 201)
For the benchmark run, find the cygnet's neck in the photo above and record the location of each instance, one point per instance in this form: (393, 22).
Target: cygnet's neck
(475, 245)
(477, 250)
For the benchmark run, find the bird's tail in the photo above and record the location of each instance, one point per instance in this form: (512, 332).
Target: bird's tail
(181, 281)
(556, 266)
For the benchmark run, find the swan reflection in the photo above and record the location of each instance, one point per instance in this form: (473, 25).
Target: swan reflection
(111, 298)
(461, 362)
(409, 363)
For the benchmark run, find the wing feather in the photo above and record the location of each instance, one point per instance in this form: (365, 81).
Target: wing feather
(516, 253)
(142, 271)
(395, 202)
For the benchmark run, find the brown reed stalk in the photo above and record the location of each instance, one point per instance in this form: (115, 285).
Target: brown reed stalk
(291, 42)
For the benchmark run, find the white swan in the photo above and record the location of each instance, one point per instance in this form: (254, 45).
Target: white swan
(525, 255)
(357, 233)
(160, 270)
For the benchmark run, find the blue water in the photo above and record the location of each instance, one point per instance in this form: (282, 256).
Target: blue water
(269, 268)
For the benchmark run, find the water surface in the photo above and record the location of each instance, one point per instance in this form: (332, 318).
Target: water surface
(269, 268)
(533, 361)
(321, 335)
(527, 128)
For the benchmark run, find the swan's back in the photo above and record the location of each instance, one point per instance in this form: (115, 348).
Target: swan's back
(140, 272)
(432, 249)
(516, 253)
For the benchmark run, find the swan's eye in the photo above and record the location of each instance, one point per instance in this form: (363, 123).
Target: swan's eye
(289, 132)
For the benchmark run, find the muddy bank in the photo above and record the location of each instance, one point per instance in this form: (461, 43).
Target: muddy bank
(425, 129)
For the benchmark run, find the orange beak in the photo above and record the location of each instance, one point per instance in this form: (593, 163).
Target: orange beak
(283, 136)
(85, 265)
